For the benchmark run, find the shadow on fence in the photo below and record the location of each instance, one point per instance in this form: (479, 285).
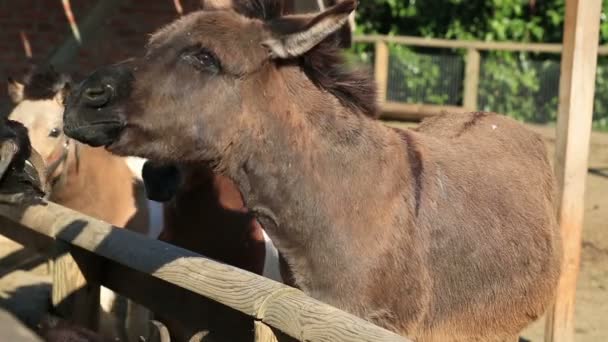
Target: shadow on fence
(192, 292)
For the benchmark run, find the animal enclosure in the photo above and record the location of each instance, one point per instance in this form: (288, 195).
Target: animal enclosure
(126, 258)
(119, 259)
(462, 76)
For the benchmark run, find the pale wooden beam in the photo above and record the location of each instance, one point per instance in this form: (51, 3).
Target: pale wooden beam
(471, 79)
(89, 26)
(75, 291)
(576, 93)
(381, 65)
(321, 5)
(117, 258)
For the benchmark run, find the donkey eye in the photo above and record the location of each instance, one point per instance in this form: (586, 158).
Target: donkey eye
(54, 133)
(202, 59)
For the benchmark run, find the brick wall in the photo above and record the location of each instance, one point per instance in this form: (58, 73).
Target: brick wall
(121, 35)
(44, 22)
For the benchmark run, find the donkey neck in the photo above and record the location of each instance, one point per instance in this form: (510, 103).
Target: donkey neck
(305, 153)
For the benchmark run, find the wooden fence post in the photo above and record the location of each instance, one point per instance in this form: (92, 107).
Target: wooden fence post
(75, 292)
(471, 79)
(381, 69)
(577, 89)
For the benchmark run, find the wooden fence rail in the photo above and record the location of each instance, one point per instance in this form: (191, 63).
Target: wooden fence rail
(402, 111)
(124, 256)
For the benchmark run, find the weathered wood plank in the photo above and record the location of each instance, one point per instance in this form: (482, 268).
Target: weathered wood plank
(75, 292)
(11, 329)
(381, 70)
(314, 321)
(415, 111)
(243, 291)
(467, 44)
(577, 89)
(471, 79)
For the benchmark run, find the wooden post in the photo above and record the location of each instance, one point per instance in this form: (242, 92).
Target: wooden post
(381, 69)
(75, 293)
(577, 89)
(321, 5)
(68, 50)
(471, 79)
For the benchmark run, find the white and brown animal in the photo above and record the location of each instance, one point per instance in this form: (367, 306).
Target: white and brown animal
(446, 232)
(86, 179)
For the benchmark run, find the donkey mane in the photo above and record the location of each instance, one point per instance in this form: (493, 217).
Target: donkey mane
(259, 9)
(324, 65)
(43, 83)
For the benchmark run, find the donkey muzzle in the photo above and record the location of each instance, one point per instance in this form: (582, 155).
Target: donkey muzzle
(93, 113)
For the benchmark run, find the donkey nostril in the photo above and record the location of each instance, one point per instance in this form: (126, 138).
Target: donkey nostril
(97, 96)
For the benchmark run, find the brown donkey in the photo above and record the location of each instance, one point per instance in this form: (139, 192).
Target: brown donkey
(443, 233)
(200, 200)
(86, 179)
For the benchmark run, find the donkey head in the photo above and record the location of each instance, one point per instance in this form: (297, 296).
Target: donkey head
(39, 107)
(214, 75)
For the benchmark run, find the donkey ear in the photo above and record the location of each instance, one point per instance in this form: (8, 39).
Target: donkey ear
(63, 93)
(215, 4)
(293, 39)
(15, 90)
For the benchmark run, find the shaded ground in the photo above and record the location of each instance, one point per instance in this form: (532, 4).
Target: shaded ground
(26, 292)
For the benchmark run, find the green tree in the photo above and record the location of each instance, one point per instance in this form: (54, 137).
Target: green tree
(522, 85)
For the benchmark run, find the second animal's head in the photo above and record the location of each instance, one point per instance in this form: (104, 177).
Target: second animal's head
(38, 101)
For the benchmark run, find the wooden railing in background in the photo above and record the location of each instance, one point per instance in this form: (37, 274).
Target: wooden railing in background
(410, 111)
(157, 274)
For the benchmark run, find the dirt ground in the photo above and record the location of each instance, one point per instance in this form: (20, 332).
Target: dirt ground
(26, 292)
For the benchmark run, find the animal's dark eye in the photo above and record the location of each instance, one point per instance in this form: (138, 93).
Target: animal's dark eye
(55, 132)
(201, 59)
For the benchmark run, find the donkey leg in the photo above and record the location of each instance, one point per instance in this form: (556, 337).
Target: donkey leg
(137, 322)
(110, 322)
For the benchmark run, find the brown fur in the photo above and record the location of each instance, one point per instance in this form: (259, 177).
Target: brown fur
(446, 233)
(207, 215)
(205, 196)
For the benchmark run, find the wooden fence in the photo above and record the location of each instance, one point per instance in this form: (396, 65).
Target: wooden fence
(168, 279)
(409, 111)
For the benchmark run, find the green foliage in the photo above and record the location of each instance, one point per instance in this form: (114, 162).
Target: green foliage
(522, 85)
(600, 118)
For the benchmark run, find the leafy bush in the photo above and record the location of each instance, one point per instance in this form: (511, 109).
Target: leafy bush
(522, 85)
